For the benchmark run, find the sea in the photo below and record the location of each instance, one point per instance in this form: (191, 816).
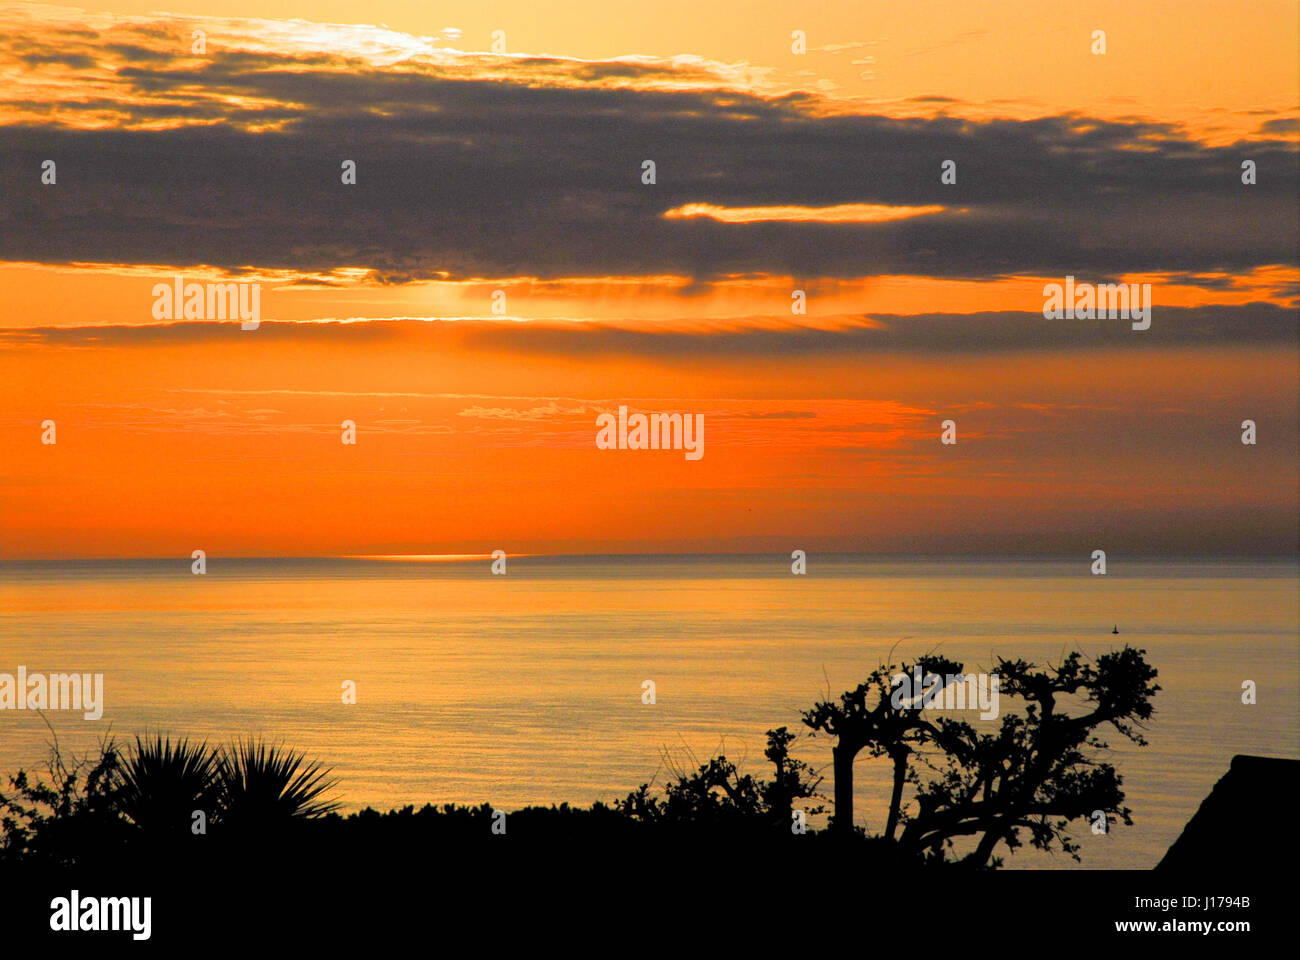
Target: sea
(531, 686)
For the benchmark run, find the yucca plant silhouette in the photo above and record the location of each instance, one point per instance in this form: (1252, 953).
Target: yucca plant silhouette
(158, 784)
(264, 785)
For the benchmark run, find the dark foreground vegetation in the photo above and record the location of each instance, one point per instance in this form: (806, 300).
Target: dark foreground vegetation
(957, 793)
(711, 860)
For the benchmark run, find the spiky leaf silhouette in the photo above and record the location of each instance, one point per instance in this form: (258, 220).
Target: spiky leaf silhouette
(265, 784)
(159, 784)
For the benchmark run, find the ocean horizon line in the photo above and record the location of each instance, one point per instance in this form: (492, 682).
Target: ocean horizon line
(683, 556)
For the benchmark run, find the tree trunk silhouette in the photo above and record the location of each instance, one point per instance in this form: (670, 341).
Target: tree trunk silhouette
(896, 797)
(843, 756)
(984, 849)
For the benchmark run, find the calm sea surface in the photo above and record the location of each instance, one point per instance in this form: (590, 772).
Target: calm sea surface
(526, 688)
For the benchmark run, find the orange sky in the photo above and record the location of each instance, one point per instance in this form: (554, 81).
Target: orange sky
(476, 431)
(1209, 61)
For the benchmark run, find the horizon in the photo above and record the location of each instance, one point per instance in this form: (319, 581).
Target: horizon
(776, 556)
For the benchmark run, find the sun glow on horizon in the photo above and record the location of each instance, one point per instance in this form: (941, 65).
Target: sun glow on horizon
(427, 557)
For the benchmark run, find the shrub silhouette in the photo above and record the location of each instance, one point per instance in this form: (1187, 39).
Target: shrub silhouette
(716, 795)
(264, 786)
(88, 809)
(158, 784)
(65, 817)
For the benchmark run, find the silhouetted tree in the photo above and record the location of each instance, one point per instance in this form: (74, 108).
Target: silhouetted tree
(1038, 772)
(865, 718)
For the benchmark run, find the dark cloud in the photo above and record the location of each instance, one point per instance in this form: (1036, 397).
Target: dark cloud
(78, 61)
(1250, 325)
(1280, 126)
(508, 177)
(138, 54)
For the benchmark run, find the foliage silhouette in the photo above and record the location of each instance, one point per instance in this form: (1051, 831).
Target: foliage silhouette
(717, 796)
(1037, 773)
(882, 729)
(262, 786)
(159, 784)
(66, 816)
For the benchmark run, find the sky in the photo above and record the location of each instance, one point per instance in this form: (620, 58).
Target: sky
(500, 274)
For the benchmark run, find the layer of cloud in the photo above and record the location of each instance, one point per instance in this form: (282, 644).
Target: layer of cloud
(1251, 325)
(471, 166)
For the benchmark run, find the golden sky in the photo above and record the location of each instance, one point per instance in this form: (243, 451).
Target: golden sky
(519, 174)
